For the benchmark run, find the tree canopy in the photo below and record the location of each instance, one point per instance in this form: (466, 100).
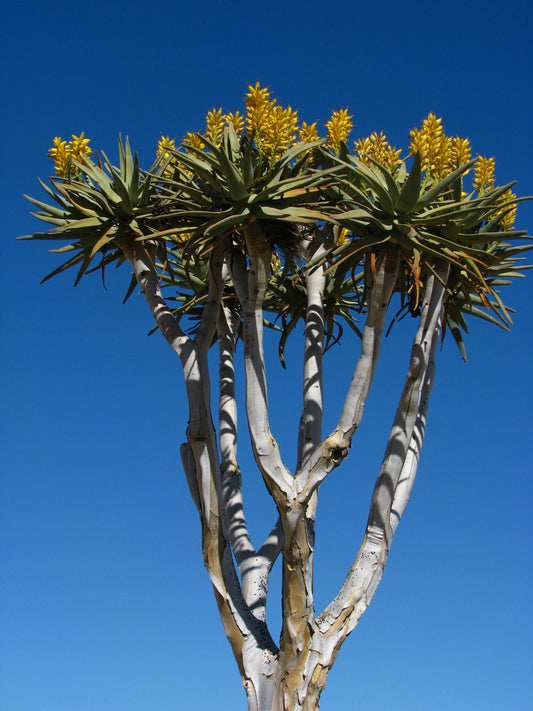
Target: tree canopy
(435, 202)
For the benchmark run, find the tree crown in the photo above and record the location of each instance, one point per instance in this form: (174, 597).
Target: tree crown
(263, 166)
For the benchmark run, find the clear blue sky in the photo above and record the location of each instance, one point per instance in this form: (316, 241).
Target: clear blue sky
(104, 602)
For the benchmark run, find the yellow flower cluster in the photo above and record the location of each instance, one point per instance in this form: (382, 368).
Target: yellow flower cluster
(214, 125)
(308, 132)
(343, 237)
(271, 126)
(274, 129)
(440, 154)
(338, 129)
(433, 145)
(62, 152)
(258, 109)
(237, 119)
(193, 139)
(164, 147)
(377, 147)
(461, 151)
(484, 174)
(483, 181)
(508, 220)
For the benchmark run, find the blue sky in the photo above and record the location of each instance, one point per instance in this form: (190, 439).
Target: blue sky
(104, 603)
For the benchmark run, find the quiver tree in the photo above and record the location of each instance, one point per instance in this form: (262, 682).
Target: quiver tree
(258, 223)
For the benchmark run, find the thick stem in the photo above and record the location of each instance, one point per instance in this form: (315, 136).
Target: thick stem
(310, 430)
(141, 257)
(231, 475)
(250, 285)
(254, 567)
(341, 616)
(387, 264)
(298, 624)
(200, 456)
(410, 465)
(330, 453)
(298, 606)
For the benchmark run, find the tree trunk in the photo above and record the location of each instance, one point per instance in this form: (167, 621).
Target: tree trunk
(286, 691)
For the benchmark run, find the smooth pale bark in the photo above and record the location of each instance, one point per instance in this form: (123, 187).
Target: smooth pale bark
(405, 439)
(254, 566)
(290, 677)
(200, 459)
(330, 453)
(250, 285)
(310, 430)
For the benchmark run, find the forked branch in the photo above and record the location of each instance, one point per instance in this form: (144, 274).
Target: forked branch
(395, 476)
(330, 453)
(200, 455)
